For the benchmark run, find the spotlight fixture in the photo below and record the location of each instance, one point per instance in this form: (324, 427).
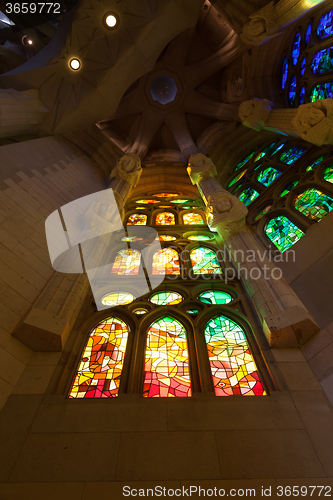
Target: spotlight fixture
(26, 41)
(111, 20)
(75, 64)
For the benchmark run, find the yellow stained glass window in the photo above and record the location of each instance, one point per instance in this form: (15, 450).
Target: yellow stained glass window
(166, 261)
(137, 220)
(117, 299)
(127, 262)
(192, 218)
(165, 218)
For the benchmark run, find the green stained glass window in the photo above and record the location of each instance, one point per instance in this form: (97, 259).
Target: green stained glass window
(180, 201)
(215, 297)
(282, 232)
(193, 311)
(242, 163)
(117, 299)
(166, 298)
(313, 204)
(192, 218)
(275, 150)
(204, 261)
(102, 361)
(248, 195)
(315, 163)
(328, 174)
(322, 61)
(127, 262)
(137, 220)
(199, 237)
(267, 176)
(288, 188)
(263, 212)
(263, 152)
(166, 371)
(236, 179)
(321, 91)
(166, 261)
(232, 365)
(291, 155)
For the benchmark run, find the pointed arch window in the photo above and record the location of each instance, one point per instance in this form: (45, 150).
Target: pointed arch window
(282, 232)
(127, 262)
(313, 204)
(137, 220)
(192, 218)
(232, 365)
(166, 369)
(165, 219)
(102, 361)
(204, 261)
(166, 261)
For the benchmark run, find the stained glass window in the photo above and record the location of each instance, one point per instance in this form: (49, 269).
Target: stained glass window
(166, 237)
(315, 163)
(137, 220)
(328, 174)
(275, 150)
(303, 64)
(267, 176)
(263, 212)
(322, 61)
(325, 25)
(283, 233)
(288, 188)
(296, 48)
(291, 155)
(165, 219)
(307, 34)
(164, 206)
(292, 90)
(192, 218)
(131, 238)
(180, 201)
(127, 262)
(166, 298)
(193, 311)
(117, 299)
(147, 202)
(232, 365)
(199, 237)
(204, 261)
(242, 163)
(321, 91)
(102, 361)
(284, 72)
(301, 96)
(313, 204)
(236, 178)
(215, 297)
(248, 195)
(140, 312)
(166, 261)
(166, 371)
(263, 152)
(166, 195)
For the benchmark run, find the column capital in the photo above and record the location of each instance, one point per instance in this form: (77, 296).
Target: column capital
(200, 167)
(314, 122)
(261, 26)
(128, 168)
(253, 113)
(226, 213)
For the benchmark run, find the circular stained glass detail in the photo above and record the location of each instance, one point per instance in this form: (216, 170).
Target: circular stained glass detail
(291, 155)
(307, 34)
(147, 202)
(117, 299)
(325, 25)
(321, 91)
(296, 48)
(263, 152)
(131, 238)
(193, 311)
(248, 195)
(180, 201)
(140, 312)
(284, 72)
(199, 237)
(292, 90)
(301, 96)
(328, 174)
(315, 163)
(166, 195)
(215, 297)
(242, 163)
(166, 237)
(303, 64)
(236, 179)
(263, 212)
(288, 188)
(166, 298)
(275, 150)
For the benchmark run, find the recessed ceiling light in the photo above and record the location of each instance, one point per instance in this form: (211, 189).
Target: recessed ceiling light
(75, 64)
(111, 20)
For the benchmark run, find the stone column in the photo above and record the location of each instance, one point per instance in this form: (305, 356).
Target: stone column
(48, 323)
(20, 112)
(312, 122)
(285, 320)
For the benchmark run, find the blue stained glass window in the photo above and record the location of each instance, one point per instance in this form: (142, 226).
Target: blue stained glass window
(275, 150)
(296, 48)
(267, 176)
(325, 25)
(248, 195)
(303, 64)
(283, 233)
(284, 72)
(315, 163)
(322, 91)
(307, 34)
(322, 61)
(302, 96)
(292, 90)
(291, 155)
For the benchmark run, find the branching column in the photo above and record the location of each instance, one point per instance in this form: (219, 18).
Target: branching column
(49, 321)
(285, 320)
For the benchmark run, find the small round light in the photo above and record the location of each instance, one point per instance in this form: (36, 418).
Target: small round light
(30, 42)
(111, 20)
(75, 64)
